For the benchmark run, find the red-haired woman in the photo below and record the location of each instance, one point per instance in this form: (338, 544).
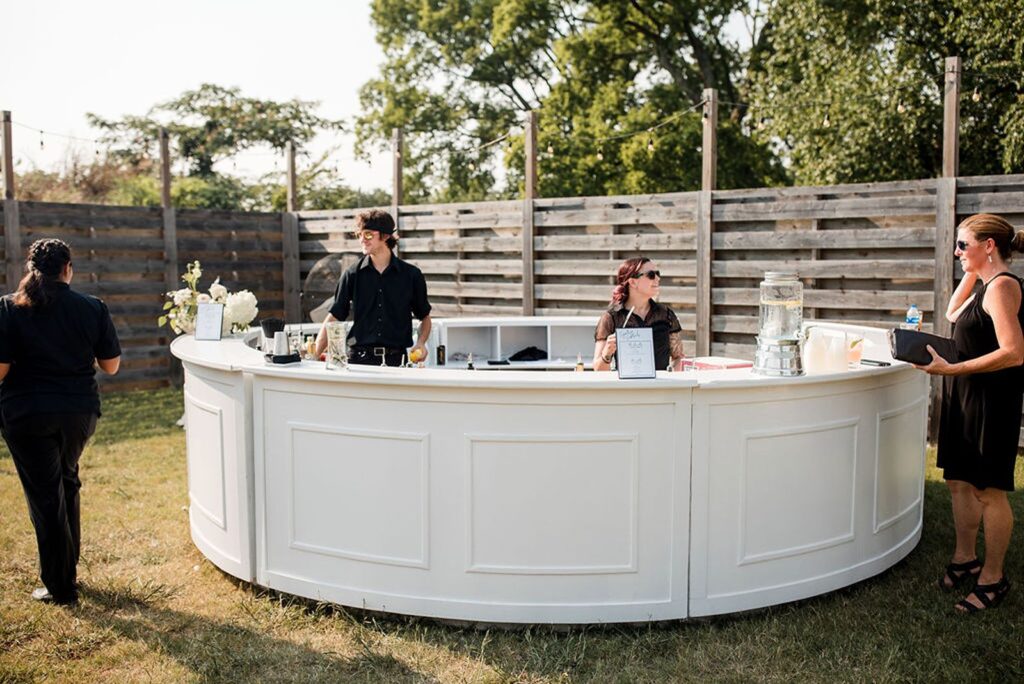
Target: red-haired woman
(981, 405)
(50, 339)
(634, 305)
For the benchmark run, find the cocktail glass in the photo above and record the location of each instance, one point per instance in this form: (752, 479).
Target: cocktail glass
(854, 349)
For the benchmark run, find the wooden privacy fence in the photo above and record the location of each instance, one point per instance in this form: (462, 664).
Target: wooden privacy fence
(865, 252)
(120, 255)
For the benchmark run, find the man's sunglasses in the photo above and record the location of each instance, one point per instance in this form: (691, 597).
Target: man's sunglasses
(651, 275)
(364, 234)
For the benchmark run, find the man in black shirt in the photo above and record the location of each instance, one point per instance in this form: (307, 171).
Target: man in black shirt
(382, 293)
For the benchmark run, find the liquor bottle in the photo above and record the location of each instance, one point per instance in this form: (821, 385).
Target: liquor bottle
(440, 355)
(469, 362)
(579, 362)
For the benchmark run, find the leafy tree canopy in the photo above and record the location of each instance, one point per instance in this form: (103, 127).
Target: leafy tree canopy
(853, 90)
(212, 123)
(464, 72)
(827, 91)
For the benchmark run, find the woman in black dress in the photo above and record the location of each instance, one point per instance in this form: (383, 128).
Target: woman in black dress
(637, 286)
(50, 338)
(981, 405)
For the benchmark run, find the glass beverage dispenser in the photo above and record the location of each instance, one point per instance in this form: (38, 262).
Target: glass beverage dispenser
(779, 321)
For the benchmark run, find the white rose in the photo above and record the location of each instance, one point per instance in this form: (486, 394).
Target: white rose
(181, 296)
(204, 298)
(218, 291)
(240, 308)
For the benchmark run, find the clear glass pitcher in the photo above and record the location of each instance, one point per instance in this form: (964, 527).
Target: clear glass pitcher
(782, 307)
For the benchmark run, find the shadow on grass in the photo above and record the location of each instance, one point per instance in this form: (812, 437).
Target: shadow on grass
(894, 626)
(223, 652)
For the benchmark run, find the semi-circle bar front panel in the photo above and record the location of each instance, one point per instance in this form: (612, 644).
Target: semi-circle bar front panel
(550, 497)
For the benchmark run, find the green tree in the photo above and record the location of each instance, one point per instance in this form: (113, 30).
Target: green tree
(212, 123)
(852, 91)
(460, 73)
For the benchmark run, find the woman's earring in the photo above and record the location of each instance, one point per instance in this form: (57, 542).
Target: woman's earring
(990, 258)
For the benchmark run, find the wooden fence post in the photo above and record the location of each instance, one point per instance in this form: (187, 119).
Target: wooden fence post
(705, 226)
(292, 195)
(945, 222)
(170, 230)
(528, 227)
(951, 119)
(396, 178)
(291, 272)
(12, 225)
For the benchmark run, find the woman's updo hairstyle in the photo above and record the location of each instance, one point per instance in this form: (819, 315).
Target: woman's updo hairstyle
(46, 261)
(989, 226)
(627, 269)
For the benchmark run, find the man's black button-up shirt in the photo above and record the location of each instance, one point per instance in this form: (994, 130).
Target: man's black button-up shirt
(381, 303)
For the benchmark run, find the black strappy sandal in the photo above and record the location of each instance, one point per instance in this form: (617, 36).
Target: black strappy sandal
(958, 573)
(990, 595)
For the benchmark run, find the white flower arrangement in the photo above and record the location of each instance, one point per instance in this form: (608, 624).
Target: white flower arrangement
(240, 308)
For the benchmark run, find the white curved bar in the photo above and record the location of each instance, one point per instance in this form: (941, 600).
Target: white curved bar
(518, 496)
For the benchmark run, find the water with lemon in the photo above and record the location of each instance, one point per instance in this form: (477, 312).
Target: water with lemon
(782, 307)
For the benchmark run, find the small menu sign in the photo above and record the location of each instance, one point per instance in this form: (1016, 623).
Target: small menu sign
(209, 318)
(635, 353)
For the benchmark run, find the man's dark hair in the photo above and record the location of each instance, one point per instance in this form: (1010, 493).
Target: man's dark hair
(380, 221)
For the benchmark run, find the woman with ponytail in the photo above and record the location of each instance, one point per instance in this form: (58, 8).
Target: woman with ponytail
(981, 406)
(634, 305)
(51, 339)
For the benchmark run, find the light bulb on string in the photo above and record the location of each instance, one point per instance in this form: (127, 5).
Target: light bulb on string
(551, 150)
(650, 145)
(761, 123)
(600, 155)
(472, 166)
(976, 96)
(41, 140)
(901, 108)
(826, 123)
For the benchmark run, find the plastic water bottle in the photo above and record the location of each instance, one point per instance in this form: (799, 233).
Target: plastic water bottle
(913, 320)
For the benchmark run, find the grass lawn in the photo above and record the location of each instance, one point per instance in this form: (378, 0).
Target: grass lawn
(153, 609)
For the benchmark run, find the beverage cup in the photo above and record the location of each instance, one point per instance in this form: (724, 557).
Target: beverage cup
(337, 354)
(280, 343)
(854, 349)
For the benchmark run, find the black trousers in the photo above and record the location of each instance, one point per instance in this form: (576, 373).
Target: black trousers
(46, 449)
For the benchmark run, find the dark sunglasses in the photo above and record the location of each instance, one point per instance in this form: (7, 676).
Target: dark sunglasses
(961, 245)
(651, 275)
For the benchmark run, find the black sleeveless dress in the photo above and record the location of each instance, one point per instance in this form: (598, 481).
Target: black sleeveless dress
(981, 412)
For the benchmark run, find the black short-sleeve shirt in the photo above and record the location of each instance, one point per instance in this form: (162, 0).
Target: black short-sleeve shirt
(660, 318)
(52, 350)
(382, 304)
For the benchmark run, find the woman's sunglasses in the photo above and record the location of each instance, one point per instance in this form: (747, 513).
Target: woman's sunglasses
(962, 245)
(651, 275)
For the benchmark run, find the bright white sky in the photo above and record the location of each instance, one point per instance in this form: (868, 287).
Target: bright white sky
(62, 58)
